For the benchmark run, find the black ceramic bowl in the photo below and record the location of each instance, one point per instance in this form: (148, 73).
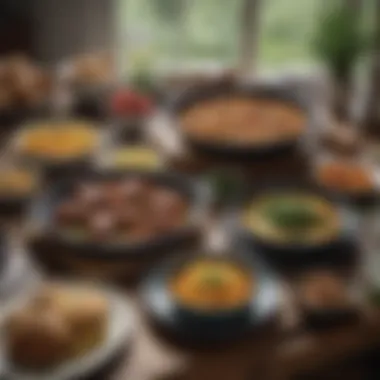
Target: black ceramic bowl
(42, 217)
(338, 249)
(233, 150)
(210, 326)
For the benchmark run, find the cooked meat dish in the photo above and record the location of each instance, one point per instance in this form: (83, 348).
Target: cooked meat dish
(118, 210)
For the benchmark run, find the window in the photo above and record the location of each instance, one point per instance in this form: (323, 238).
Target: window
(181, 33)
(200, 33)
(285, 32)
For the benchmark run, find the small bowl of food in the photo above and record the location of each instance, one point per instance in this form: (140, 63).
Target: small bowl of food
(211, 298)
(58, 147)
(130, 109)
(25, 89)
(209, 291)
(65, 331)
(326, 300)
(17, 188)
(296, 225)
(90, 79)
(236, 121)
(133, 157)
(347, 179)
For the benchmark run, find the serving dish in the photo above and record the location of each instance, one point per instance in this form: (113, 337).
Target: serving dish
(131, 110)
(25, 89)
(350, 180)
(326, 299)
(132, 156)
(119, 247)
(239, 121)
(18, 185)
(118, 332)
(220, 315)
(296, 225)
(58, 147)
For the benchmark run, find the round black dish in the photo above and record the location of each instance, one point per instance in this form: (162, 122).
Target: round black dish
(340, 250)
(203, 327)
(43, 212)
(233, 151)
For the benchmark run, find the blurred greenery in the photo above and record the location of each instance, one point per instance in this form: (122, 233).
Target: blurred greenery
(191, 30)
(339, 39)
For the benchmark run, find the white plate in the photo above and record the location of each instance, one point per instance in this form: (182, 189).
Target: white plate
(120, 333)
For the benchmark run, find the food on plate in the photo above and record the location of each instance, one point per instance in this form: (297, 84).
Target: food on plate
(117, 210)
(16, 182)
(129, 103)
(324, 290)
(212, 285)
(58, 140)
(138, 157)
(345, 177)
(58, 324)
(296, 218)
(243, 120)
(22, 83)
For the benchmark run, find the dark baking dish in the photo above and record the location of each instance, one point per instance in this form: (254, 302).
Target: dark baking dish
(232, 150)
(43, 209)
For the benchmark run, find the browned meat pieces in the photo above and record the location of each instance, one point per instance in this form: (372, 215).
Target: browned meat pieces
(133, 208)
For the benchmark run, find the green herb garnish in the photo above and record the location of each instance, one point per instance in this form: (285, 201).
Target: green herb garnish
(291, 214)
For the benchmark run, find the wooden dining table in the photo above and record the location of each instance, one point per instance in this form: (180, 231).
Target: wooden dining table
(281, 349)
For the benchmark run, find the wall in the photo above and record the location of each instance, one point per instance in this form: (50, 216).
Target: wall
(15, 26)
(66, 27)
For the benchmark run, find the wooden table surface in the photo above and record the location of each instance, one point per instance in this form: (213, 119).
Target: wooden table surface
(281, 350)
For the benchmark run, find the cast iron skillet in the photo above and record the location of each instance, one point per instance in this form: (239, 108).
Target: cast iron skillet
(232, 150)
(42, 212)
(210, 327)
(338, 249)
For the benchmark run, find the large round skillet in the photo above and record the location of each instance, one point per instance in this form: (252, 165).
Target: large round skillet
(338, 249)
(210, 327)
(231, 150)
(42, 214)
